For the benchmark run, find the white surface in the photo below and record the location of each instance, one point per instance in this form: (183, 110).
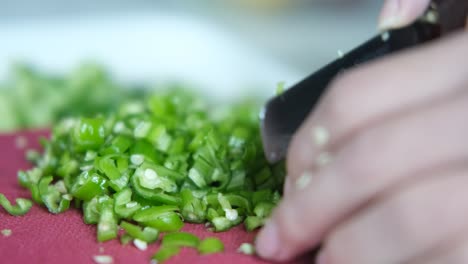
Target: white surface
(148, 47)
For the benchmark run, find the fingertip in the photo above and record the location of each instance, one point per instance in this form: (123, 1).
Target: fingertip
(267, 243)
(400, 13)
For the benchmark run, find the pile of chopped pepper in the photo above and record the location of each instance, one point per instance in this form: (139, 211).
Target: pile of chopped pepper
(30, 98)
(151, 166)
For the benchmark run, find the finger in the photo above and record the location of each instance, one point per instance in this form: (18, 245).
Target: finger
(405, 224)
(372, 93)
(400, 13)
(454, 253)
(373, 162)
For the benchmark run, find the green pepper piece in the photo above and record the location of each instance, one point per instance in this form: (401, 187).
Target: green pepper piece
(157, 196)
(193, 209)
(91, 211)
(124, 206)
(262, 196)
(147, 234)
(169, 222)
(263, 209)
(262, 176)
(119, 145)
(211, 214)
(154, 212)
(173, 175)
(120, 183)
(107, 166)
(107, 226)
(88, 185)
(221, 224)
(30, 177)
(165, 253)
(21, 208)
(180, 239)
(160, 138)
(52, 198)
(237, 181)
(143, 147)
(162, 218)
(210, 245)
(177, 146)
(89, 133)
(238, 201)
(30, 180)
(253, 222)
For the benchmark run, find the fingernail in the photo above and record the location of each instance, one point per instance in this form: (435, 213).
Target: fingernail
(322, 258)
(267, 242)
(391, 15)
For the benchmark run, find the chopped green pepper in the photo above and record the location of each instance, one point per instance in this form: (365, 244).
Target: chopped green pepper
(180, 239)
(21, 208)
(165, 253)
(90, 133)
(147, 234)
(154, 165)
(124, 207)
(107, 225)
(210, 245)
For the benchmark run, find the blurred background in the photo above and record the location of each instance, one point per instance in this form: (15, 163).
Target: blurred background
(224, 48)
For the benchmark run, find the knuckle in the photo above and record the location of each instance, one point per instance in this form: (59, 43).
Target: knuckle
(340, 247)
(358, 164)
(345, 95)
(403, 220)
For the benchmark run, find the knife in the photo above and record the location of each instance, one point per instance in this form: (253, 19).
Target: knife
(283, 114)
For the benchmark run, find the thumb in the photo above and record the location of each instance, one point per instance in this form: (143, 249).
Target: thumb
(400, 13)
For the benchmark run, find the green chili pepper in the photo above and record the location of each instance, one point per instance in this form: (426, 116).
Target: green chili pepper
(52, 198)
(124, 207)
(165, 253)
(21, 208)
(91, 211)
(263, 209)
(253, 222)
(180, 239)
(193, 209)
(152, 165)
(107, 226)
(119, 145)
(89, 134)
(108, 167)
(147, 234)
(157, 195)
(210, 245)
(162, 218)
(144, 148)
(160, 138)
(221, 224)
(88, 185)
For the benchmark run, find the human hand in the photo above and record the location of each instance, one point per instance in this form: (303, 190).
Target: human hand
(400, 13)
(378, 171)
